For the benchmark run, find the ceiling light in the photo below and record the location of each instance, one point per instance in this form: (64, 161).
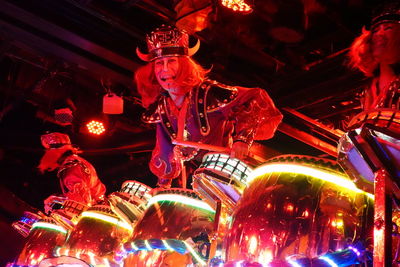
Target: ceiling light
(95, 127)
(237, 6)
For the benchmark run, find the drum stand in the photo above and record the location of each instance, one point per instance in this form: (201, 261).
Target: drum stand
(374, 150)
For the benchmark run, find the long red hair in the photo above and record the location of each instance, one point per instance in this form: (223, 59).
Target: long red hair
(190, 74)
(360, 54)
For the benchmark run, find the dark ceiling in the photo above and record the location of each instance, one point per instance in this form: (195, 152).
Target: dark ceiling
(54, 51)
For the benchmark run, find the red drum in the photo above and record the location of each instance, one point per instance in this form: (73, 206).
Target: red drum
(24, 225)
(44, 237)
(96, 236)
(68, 215)
(297, 205)
(130, 203)
(220, 177)
(354, 160)
(177, 214)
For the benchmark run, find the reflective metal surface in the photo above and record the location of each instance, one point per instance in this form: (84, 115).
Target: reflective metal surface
(171, 214)
(221, 178)
(175, 213)
(98, 233)
(44, 237)
(297, 205)
(130, 203)
(24, 224)
(355, 160)
(68, 215)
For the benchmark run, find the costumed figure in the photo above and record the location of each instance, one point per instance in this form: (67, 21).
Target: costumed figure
(187, 106)
(376, 53)
(369, 152)
(78, 178)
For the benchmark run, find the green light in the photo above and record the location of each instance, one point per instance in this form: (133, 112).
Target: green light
(194, 254)
(180, 199)
(106, 218)
(339, 180)
(166, 245)
(146, 243)
(134, 246)
(49, 226)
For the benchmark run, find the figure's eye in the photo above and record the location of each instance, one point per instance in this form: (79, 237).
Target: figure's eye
(159, 63)
(387, 27)
(172, 60)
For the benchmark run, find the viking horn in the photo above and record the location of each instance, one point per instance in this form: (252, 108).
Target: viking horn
(194, 49)
(142, 56)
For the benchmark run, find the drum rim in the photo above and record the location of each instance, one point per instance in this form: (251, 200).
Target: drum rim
(223, 173)
(178, 191)
(363, 117)
(134, 182)
(318, 162)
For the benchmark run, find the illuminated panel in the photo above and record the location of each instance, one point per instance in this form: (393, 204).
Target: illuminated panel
(146, 243)
(293, 263)
(299, 169)
(176, 246)
(49, 226)
(95, 127)
(356, 251)
(134, 246)
(237, 6)
(329, 261)
(106, 218)
(194, 254)
(180, 199)
(167, 246)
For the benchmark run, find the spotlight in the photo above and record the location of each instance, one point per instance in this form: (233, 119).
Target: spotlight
(95, 127)
(237, 6)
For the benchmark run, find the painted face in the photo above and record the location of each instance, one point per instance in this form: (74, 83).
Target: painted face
(166, 70)
(386, 42)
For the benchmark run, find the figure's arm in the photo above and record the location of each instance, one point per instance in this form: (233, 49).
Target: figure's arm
(256, 118)
(79, 181)
(74, 186)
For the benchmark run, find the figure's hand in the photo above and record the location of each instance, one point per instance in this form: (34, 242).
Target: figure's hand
(240, 150)
(50, 201)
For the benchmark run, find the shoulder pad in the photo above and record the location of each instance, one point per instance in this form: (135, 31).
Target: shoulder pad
(219, 95)
(151, 114)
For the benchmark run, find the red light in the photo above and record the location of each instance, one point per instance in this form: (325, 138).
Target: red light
(237, 6)
(95, 127)
(305, 214)
(289, 208)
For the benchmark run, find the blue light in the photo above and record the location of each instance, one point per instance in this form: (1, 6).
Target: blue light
(355, 251)
(293, 263)
(329, 261)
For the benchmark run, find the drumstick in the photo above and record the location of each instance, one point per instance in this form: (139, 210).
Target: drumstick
(200, 146)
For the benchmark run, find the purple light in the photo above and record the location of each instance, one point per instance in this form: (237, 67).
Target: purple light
(355, 251)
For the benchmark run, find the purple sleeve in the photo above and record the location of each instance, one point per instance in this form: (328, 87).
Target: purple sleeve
(164, 163)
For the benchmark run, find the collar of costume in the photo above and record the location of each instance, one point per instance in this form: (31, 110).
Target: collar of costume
(65, 155)
(208, 97)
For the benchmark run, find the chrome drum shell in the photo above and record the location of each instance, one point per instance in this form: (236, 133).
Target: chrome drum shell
(289, 209)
